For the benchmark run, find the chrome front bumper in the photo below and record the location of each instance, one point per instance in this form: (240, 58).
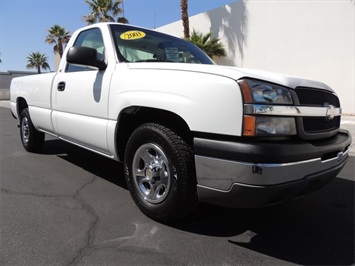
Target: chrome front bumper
(236, 183)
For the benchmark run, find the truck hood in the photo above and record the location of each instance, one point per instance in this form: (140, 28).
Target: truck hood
(235, 73)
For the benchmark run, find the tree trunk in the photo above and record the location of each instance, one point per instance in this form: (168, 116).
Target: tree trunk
(60, 48)
(185, 19)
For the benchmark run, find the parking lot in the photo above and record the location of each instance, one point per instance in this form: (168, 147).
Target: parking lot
(68, 206)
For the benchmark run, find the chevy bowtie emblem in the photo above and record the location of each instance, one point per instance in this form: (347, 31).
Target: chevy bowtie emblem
(330, 112)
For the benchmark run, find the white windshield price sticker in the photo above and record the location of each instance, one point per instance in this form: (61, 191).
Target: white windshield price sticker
(172, 54)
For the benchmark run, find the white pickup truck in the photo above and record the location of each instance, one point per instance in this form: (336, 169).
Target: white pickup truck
(187, 130)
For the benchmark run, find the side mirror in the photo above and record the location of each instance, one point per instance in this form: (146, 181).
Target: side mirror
(85, 56)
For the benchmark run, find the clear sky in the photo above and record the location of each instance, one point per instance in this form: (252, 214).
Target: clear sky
(24, 24)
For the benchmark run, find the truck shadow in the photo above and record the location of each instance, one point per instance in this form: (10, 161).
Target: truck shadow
(98, 165)
(315, 230)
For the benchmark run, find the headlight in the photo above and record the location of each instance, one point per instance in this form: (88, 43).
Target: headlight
(268, 126)
(265, 94)
(255, 91)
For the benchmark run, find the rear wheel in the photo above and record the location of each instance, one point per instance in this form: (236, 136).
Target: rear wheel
(32, 140)
(160, 173)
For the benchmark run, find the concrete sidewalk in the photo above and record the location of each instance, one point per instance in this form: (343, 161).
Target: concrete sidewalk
(347, 122)
(5, 104)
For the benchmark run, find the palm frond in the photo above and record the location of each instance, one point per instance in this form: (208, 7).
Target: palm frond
(103, 11)
(211, 46)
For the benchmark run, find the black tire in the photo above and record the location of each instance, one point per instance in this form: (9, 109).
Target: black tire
(160, 173)
(32, 140)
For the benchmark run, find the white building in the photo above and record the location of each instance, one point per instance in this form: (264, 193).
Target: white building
(311, 39)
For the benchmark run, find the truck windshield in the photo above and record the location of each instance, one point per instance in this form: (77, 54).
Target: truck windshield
(142, 45)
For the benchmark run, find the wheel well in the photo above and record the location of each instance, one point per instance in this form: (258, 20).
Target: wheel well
(132, 117)
(21, 104)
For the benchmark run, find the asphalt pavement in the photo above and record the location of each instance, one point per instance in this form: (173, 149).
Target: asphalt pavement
(68, 206)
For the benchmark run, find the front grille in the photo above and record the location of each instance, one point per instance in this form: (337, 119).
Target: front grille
(314, 97)
(317, 126)
(320, 124)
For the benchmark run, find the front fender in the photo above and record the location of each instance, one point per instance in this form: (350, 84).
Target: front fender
(208, 103)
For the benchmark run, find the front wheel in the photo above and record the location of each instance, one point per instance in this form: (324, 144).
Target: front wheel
(32, 140)
(160, 173)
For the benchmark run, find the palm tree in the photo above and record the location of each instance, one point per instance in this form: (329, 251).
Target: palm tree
(185, 18)
(60, 37)
(102, 9)
(211, 46)
(37, 60)
(122, 19)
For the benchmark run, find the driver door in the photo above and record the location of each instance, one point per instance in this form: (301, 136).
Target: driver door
(80, 100)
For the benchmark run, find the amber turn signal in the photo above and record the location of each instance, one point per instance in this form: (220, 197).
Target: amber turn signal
(247, 95)
(249, 125)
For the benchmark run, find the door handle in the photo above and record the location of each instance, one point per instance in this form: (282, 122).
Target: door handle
(61, 86)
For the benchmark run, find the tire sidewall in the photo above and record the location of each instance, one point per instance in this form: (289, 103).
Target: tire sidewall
(35, 138)
(161, 139)
(25, 114)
